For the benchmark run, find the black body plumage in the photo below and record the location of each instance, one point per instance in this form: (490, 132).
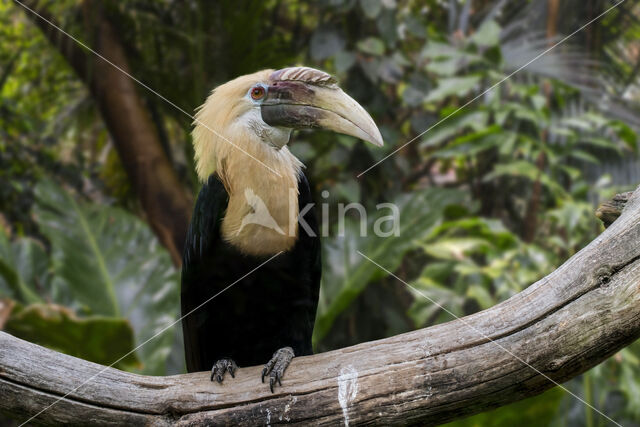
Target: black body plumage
(273, 307)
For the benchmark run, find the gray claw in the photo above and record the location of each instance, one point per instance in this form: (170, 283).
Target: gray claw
(221, 367)
(277, 365)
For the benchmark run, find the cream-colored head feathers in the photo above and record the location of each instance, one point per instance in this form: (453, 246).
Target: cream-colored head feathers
(231, 140)
(228, 126)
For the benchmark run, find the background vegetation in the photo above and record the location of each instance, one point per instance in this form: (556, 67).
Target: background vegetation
(97, 178)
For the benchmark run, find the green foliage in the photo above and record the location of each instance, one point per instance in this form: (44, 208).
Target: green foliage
(23, 267)
(535, 411)
(99, 339)
(107, 262)
(518, 151)
(25, 278)
(491, 198)
(345, 273)
(105, 265)
(476, 263)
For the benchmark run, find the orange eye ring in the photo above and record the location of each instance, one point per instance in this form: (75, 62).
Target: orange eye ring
(257, 92)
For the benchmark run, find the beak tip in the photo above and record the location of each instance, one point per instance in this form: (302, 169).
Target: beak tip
(376, 138)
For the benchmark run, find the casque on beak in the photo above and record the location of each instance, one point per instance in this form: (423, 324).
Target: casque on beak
(304, 98)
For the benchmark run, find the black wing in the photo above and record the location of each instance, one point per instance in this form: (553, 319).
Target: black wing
(252, 314)
(202, 237)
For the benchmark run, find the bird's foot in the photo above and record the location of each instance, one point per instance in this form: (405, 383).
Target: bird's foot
(221, 367)
(277, 365)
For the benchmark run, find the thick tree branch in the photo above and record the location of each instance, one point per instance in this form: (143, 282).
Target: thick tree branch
(562, 325)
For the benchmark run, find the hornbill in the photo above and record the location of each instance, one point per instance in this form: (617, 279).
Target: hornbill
(256, 203)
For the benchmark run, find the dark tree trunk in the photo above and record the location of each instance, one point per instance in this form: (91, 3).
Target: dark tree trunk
(163, 198)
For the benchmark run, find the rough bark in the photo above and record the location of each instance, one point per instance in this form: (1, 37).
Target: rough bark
(164, 200)
(562, 325)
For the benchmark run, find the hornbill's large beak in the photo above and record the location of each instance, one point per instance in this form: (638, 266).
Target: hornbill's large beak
(303, 98)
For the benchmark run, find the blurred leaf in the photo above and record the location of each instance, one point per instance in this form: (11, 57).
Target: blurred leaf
(445, 60)
(390, 71)
(472, 144)
(584, 156)
(114, 266)
(370, 66)
(625, 133)
(346, 274)
(372, 46)
(458, 86)
(455, 248)
(437, 50)
(476, 120)
(601, 143)
(371, 8)
(487, 35)
(429, 298)
(23, 266)
(325, 42)
(526, 170)
(480, 294)
(414, 26)
(344, 61)
(534, 411)
(96, 338)
(414, 92)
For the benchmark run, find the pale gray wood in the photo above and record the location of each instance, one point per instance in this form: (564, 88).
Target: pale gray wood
(562, 325)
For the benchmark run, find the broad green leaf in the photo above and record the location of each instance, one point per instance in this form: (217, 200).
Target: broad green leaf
(625, 133)
(414, 26)
(372, 46)
(538, 101)
(584, 156)
(438, 271)
(527, 170)
(573, 173)
(489, 229)
(487, 35)
(475, 120)
(436, 50)
(344, 60)
(580, 123)
(98, 339)
(325, 42)
(459, 86)
(23, 269)
(429, 299)
(601, 143)
(455, 248)
(445, 68)
(113, 264)
(446, 60)
(346, 273)
(371, 8)
(473, 143)
(481, 295)
(526, 113)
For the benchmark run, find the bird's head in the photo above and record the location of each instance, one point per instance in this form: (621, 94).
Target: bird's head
(254, 115)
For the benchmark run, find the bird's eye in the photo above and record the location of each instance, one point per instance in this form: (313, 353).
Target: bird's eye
(257, 92)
